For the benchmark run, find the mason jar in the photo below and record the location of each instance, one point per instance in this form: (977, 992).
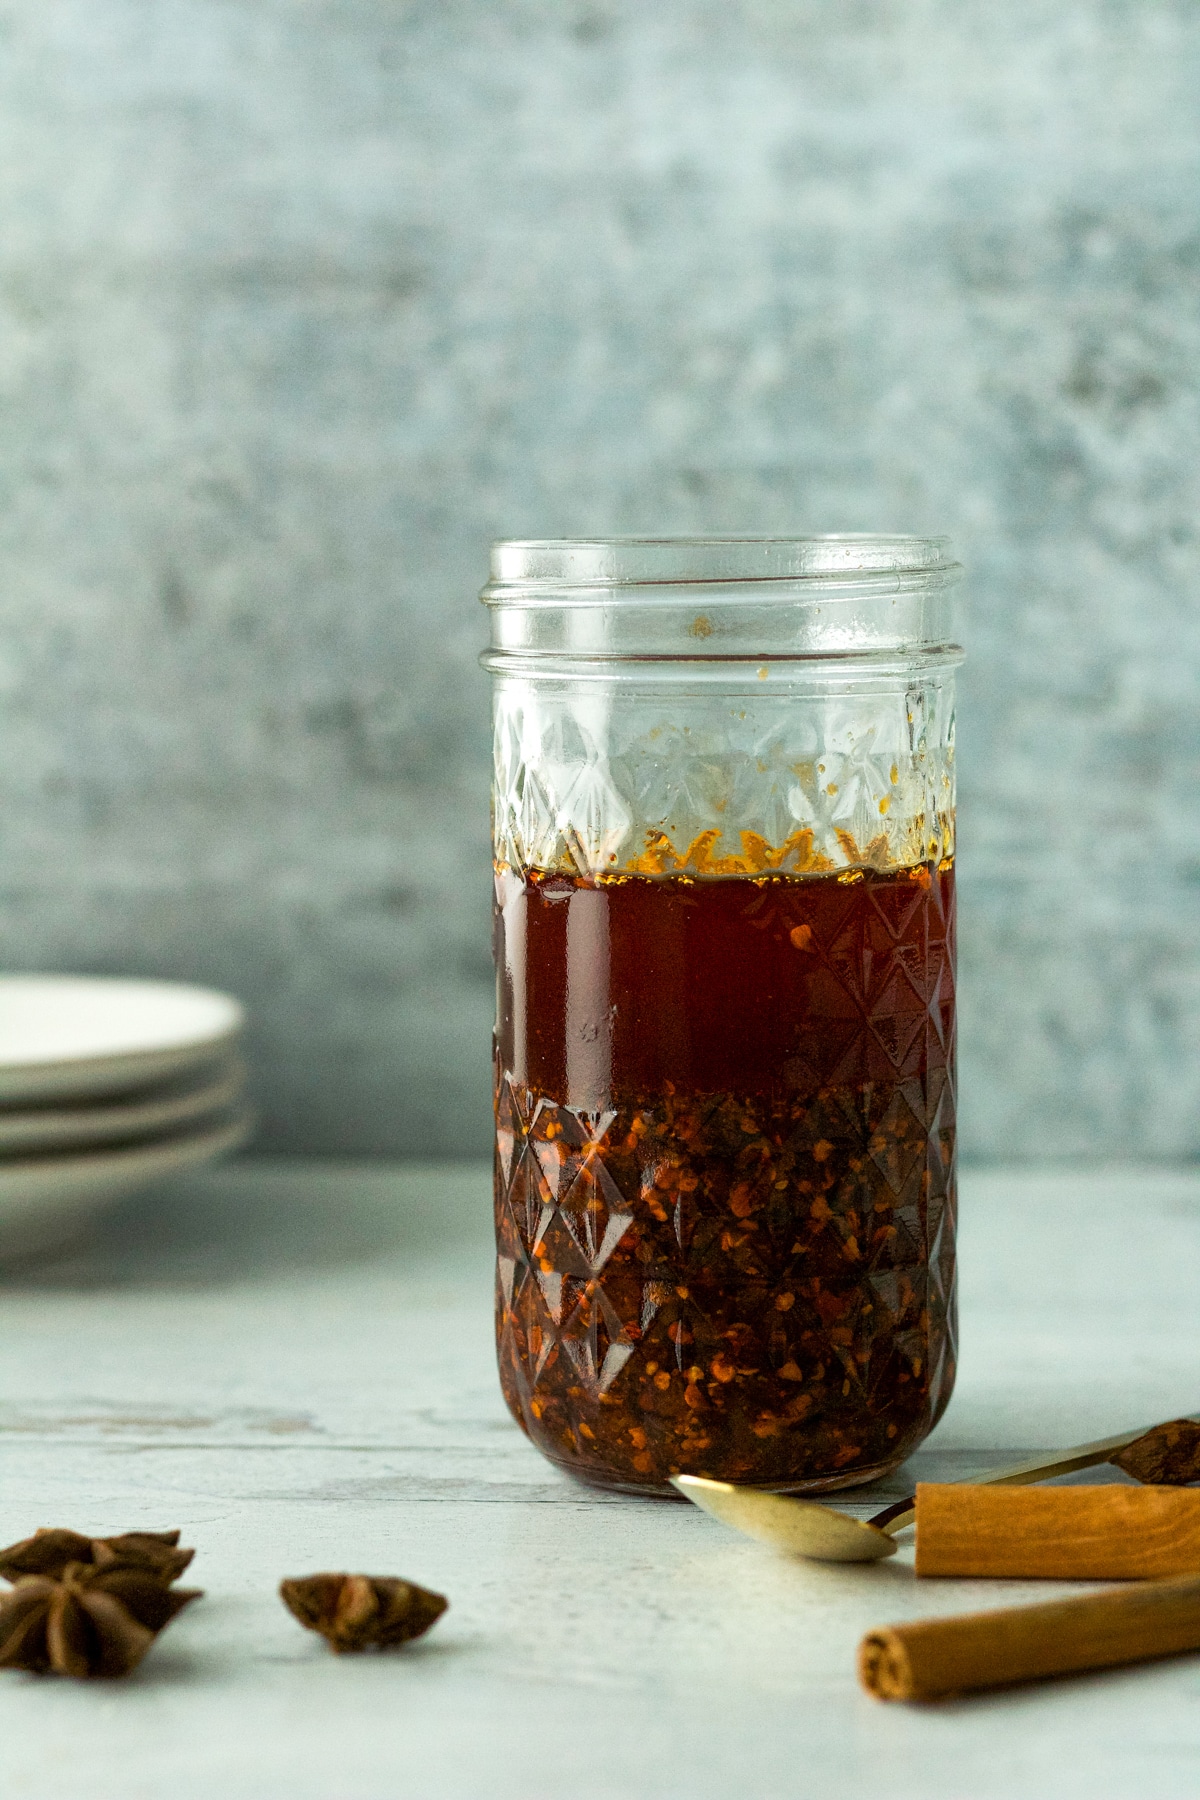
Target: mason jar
(724, 1054)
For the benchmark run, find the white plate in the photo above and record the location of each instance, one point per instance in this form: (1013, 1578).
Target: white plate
(43, 1200)
(65, 1036)
(123, 1121)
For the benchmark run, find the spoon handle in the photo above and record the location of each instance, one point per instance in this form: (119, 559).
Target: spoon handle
(900, 1513)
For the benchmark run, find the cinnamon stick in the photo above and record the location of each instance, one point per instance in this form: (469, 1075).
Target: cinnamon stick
(933, 1658)
(1110, 1533)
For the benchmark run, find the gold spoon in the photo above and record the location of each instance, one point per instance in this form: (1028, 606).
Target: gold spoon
(806, 1528)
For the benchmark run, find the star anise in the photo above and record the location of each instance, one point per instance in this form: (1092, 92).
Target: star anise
(88, 1618)
(1167, 1455)
(356, 1612)
(49, 1552)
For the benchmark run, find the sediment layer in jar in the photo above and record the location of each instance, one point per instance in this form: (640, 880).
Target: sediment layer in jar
(724, 1181)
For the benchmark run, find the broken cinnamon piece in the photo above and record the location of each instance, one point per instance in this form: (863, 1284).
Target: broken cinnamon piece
(1167, 1454)
(1109, 1533)
(932, 1659)
(360, 1612)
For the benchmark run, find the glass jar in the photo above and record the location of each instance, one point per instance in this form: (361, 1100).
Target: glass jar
(724, 936)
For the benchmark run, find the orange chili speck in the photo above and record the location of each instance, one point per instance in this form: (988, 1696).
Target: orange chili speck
(741, 1201)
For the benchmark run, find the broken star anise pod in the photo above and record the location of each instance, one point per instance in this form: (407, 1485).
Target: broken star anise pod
(89, 1618)
(1165, 1456)
(359, 1612)
(49, 1552)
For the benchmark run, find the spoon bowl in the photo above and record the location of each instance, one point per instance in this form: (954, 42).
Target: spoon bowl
(803, 1527)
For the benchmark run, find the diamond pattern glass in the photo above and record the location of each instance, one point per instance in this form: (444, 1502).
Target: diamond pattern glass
(725, 1040)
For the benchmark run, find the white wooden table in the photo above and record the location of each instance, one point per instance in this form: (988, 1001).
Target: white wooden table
(294, 1364)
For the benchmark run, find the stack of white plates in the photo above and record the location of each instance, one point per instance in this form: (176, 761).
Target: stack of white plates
(106, 1085)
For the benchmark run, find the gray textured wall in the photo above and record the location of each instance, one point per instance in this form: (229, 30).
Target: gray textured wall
(302, 301)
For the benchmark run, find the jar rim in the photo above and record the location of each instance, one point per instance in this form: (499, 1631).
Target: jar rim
(662, 560)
